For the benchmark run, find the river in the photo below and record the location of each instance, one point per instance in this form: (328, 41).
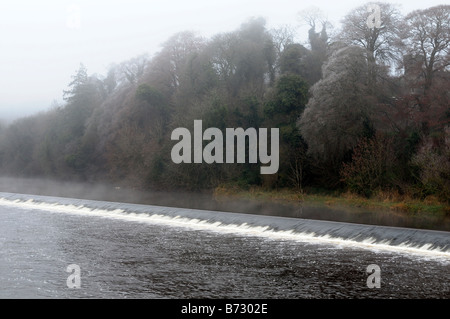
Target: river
(122, 250)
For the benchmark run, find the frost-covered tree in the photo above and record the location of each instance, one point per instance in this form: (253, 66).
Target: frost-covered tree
(338, 113)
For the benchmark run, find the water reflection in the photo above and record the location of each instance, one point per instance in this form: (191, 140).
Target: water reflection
(298, 210)
(205, 200)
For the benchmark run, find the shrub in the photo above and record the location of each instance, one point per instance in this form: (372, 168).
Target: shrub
(371, 166)
(433, 161)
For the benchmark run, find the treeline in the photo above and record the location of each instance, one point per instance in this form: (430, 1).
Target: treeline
(366, 109)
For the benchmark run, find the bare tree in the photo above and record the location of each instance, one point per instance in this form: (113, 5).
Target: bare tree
(378, 42)
(426, 40)
(244, 60)
(282, 37)
(313, 16)
(223, 55)
(133, 69)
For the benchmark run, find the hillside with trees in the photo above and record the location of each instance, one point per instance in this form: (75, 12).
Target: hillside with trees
(364, 110)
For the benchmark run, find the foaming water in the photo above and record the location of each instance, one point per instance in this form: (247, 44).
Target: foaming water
(379, 238)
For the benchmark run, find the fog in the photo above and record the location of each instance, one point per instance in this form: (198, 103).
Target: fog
(110, 192)
(44, 42)
(207, 200)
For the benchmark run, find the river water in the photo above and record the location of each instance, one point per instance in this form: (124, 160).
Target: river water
(142, 251)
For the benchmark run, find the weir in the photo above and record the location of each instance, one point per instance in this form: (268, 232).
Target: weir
(407, 240)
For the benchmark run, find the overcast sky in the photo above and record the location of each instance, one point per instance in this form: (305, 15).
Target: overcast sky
(44, 42)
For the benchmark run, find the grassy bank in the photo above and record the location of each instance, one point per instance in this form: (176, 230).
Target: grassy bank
(381, 201)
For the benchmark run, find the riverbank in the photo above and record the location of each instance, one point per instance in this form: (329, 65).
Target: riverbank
(384, 210)
(382, 201)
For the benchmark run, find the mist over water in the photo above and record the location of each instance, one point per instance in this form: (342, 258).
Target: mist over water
(207, 201)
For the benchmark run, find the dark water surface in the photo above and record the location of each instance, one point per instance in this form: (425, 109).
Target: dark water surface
(149, 252)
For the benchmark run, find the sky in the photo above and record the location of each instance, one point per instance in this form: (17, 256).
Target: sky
(43, 42)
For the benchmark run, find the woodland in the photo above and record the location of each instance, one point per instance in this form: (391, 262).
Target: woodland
(358, 109)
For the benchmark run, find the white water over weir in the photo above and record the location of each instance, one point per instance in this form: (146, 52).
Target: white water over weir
(405, 240)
